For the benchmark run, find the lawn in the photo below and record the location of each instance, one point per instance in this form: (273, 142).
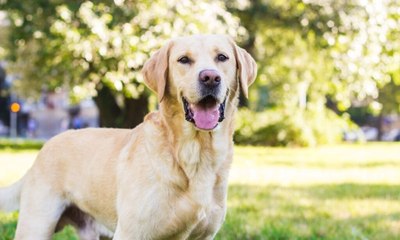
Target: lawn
(337, 192)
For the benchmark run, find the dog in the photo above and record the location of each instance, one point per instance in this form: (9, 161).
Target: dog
(165, 179)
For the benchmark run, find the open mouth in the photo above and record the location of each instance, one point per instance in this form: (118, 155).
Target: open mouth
(205, 114)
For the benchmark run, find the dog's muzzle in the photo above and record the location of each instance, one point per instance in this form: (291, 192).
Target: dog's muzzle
(205, 114)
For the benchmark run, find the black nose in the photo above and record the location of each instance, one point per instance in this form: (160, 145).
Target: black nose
(210, 78)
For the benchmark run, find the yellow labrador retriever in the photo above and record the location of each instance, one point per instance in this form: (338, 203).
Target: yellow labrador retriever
(166, 178)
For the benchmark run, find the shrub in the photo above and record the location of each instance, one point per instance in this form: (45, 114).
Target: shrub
(280, 127)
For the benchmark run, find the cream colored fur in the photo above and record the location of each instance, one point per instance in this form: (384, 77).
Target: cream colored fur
(164, 179)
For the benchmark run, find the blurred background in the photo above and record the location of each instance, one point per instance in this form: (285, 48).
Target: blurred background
(328, 79)
(328, 70)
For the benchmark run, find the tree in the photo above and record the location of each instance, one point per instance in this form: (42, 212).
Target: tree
(97, 48)
(348, 45)
(311, 53)
(4, 98)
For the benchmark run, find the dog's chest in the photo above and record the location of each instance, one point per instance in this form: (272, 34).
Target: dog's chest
(200, 165)
(181, 190)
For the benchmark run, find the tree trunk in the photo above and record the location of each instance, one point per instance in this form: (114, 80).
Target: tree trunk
(112, 115)
(109, 111)
(135, 110)
(379, 126)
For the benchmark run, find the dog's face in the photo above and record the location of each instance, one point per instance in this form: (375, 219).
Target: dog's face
(200, 72)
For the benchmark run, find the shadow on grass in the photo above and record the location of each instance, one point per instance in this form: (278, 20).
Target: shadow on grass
(342, 211)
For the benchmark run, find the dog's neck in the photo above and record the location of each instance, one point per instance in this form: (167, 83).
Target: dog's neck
(199, 154)
(194, 147)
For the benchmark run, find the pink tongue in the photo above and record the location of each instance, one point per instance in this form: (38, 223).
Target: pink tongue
(205, 118)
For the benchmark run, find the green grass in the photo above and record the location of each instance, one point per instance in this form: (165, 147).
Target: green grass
(337, 192)
(20, 144)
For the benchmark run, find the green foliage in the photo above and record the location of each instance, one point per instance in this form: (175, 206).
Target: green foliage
(312, 49)
(389, 95)
(97, 48)
(309, 52)
(282, 127)
(88, 44)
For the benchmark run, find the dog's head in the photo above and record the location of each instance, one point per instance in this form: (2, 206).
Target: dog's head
(200, 73)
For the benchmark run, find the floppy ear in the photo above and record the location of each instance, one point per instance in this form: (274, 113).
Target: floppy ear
(155, 71)
(246, 68)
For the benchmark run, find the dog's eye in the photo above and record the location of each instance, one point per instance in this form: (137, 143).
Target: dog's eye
(222, 58)
(184, 60)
